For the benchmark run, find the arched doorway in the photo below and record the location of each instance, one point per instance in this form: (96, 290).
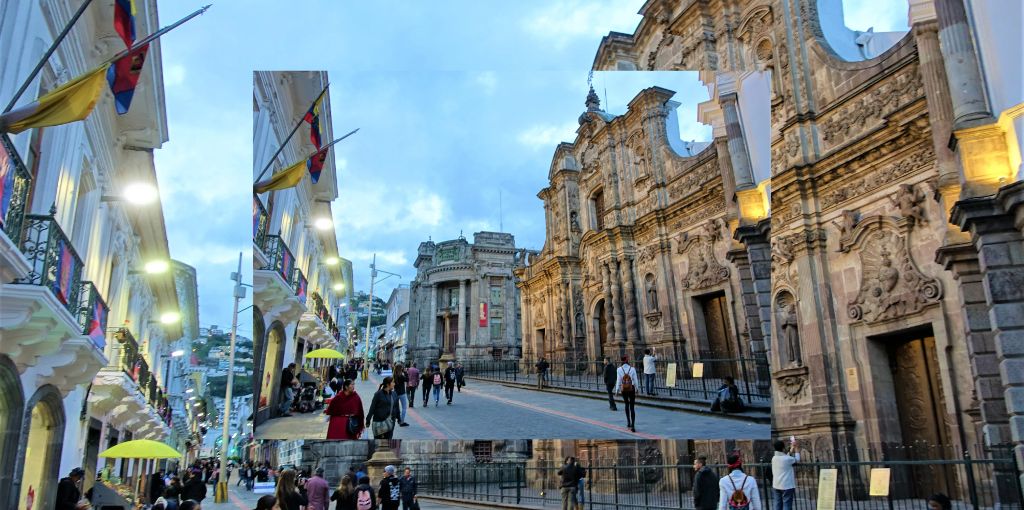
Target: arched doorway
(600, 325)
(259, 345)
(42, 436)
(271, 375)
(12, 407)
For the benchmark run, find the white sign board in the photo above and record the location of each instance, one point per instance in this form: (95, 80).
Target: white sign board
(263, 488)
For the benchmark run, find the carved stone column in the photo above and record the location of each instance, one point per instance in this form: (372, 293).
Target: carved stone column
(754, 267)
(997, 235)
(629, 298)
(962, 70)
(741, 167)
(461, 335)
(567, 316)
(617, 315)
(608, 310)
(432, 314)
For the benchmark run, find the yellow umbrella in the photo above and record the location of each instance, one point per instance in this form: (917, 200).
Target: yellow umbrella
(325, 354)
(140, 449)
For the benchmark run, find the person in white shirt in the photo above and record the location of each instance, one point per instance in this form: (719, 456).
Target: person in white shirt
(783, 477)
(649, 371)
(731, 485)
(625, 385)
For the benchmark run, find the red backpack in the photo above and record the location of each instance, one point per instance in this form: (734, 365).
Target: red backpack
(627, 382)
(738, 500)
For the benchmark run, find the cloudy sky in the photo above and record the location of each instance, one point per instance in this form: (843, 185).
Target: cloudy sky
(457, 102)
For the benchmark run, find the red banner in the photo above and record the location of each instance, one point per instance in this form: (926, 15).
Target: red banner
(483, 315)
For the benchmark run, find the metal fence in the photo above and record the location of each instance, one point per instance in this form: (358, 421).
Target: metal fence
(751, 377)
(974, 484)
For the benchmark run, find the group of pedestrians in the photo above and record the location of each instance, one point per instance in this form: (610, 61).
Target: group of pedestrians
(737, 490)
(353, 492)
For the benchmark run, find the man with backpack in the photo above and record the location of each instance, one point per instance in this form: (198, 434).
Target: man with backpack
(609, 382)
(365, 499)
(450, 378)
(737, 490)
(705, 486)
(625, 385)
(390, 491)
(437, 383)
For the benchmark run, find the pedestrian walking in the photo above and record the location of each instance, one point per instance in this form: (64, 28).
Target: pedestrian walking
(384, 412)
(437, 383)
(365, 498)
(737, 490)
(409, 490)
(783, 477)
(650, 371)
(317, 491)
(173, 493)
(450, 378)
(68, 493)
(460, 376)
(345, 494)
(705, 486)
(389, 493)
(401, 387)
(156, 485)
(428, 382)
(609, 382)
(345, 413)
(569, 483)
(288, 383)
(288, 495)
(267, 502)
(194, 489)
(625, 385)
(581, 488)
(414, 382)
(542, 372)
(227, 476)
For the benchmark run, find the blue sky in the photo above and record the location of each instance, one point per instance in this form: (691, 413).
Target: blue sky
(455, 101)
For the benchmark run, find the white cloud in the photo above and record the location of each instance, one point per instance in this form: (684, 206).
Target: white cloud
(487, 80)
(395, 258)
(560, 23)
(174, 75)
(386, 208)
(427, 209)
(542, 136)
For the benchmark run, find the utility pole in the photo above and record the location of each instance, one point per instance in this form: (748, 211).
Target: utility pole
(369, 314)
(221, 494)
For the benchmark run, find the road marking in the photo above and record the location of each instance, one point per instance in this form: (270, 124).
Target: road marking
(237, 502)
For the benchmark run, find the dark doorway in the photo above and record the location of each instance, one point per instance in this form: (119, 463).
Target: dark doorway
(92, 450)
(718, 338)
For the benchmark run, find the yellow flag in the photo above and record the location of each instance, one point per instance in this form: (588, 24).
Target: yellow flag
(284, 179)
(70, 102)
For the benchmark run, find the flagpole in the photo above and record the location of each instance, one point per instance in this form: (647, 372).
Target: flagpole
(324, 149)
(46, 56)
(155, 35)
(290, 135)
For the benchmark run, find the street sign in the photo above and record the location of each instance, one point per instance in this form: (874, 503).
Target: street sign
(827, 488)
(263, 488)
(879, 482)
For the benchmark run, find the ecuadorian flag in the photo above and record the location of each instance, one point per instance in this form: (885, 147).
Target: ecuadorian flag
(291, 176)
(123, 76)
(124, 20)
(70, 102)
(313, 118)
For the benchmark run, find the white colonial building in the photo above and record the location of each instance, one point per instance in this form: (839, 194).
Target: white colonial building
(298, 283)
(90, 307)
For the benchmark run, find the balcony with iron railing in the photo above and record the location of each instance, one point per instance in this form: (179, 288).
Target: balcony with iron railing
(279, 284)
(15, 183)
(260, 225)
(317, 325)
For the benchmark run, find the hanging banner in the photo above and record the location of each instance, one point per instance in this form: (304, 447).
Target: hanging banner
(483, 315)
(879, 482)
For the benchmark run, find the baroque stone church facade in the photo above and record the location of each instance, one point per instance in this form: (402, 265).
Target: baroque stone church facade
(896, 243)
(640, 248)
(464, 304)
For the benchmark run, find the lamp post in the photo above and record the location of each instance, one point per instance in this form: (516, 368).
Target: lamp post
(369, 313)
(221, 495)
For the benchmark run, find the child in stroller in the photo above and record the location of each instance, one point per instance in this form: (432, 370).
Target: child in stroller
(309, 398)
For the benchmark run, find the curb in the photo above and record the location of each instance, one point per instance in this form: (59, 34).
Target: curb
(646, 401)
(468, 503)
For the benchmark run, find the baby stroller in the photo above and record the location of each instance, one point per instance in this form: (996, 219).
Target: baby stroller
(308, 401)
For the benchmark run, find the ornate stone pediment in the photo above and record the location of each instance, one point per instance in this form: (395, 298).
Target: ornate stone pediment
(792, 383)
(703, 269)
(891, 284)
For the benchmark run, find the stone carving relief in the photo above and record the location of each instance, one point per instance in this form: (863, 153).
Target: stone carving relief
(846, 223)
(910, 203)
(864, 113)
(891, 285)
(703, 268)
(640, 154)
(577, 305)
(864, 185)
(789, 329)
(782, 259)
(792, 386)
(693, 180)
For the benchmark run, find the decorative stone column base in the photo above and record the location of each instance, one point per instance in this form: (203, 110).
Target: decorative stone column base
(383, 456)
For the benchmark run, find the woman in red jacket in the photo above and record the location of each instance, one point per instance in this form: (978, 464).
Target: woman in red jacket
(346, 413)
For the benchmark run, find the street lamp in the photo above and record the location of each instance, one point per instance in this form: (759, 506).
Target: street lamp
(170, 317)
(331, 261)
(323, 223)
(137, 193)
(158, 266)
(177, 354)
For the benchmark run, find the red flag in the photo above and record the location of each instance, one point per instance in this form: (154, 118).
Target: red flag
(123, 76)
(124, 20)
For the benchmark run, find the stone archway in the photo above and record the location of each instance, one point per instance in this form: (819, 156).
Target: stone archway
(599, 323)
(38, 464)
(259, 344)
(12, 407)
(270, 375)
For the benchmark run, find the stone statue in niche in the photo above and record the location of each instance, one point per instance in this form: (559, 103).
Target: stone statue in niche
(652, 293)
(574, 222)
(847, 222)
(910, 203)
(789, 327)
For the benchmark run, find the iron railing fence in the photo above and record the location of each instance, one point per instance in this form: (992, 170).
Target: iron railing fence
(973, 483)
(15, 181)
(53, 260)
(260, 222)
(750, 376)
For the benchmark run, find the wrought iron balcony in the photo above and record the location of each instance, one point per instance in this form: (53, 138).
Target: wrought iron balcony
(92, 315)
(279, 258)
(15, 181)
(299, 283)
(54, 263)
(260, 222)
(129, 352)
